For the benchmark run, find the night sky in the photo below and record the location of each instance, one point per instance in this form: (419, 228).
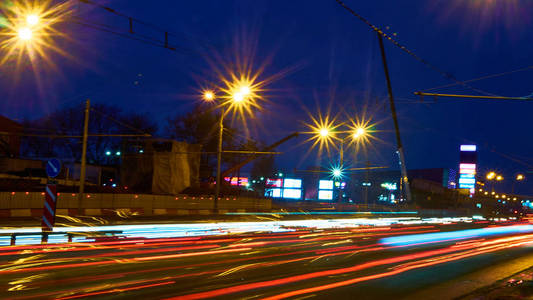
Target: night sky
(324, 57)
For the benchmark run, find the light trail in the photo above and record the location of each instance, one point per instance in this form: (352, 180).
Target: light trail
(303, 252)
(155, 231)
(298, 278)
(390, 273)
(455, 235)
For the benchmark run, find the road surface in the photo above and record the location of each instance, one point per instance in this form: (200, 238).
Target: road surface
(437, 259)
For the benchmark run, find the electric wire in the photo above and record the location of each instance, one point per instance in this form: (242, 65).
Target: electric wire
(480, 78)
(133, 20)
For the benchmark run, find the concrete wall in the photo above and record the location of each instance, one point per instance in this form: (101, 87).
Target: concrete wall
(28, 204)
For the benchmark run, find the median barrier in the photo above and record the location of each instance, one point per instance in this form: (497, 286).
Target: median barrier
(29, 204)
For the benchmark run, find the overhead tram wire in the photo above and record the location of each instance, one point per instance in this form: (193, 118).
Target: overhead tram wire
(480, 78)
(132, 20)
(115, 12)
(422, 94)
(410, 52)
(136, 37)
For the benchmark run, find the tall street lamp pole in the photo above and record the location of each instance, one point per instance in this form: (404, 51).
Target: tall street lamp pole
(84, 154)
(237, 97)
(219, 159)
(518, 178)
(355, 135)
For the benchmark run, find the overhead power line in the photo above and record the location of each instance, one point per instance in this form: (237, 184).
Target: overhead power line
(133, 33)
(446, 75)
(480, 78)
(471, 96)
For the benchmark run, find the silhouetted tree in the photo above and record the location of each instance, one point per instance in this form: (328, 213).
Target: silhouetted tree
(68, 121)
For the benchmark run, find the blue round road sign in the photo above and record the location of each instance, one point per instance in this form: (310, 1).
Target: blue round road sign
(53, 167)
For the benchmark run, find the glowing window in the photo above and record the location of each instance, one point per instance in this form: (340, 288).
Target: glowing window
(292, 193)
(325, 184)
(325, 195)
(276, 193)
(292, 183)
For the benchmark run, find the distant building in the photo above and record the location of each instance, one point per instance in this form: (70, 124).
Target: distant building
(160, 166)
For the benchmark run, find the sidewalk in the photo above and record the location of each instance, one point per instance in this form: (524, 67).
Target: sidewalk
(518, 286)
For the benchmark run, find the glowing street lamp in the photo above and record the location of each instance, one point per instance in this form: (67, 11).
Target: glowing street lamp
(29, 28)
(208, 95)
(25, 34)
(499, 178)
(491, 175)
(32, 19)
(241, 93)
(324, 132)
(359, 132)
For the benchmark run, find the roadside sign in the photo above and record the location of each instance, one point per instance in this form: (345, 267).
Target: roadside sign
(53, 167)
(49, 210)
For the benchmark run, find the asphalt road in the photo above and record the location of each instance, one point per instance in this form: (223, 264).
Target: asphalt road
(424, 261)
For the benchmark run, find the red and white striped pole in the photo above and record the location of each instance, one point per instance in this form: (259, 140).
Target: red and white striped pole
(49, 211)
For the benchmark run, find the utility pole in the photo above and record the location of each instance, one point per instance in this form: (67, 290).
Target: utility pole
(84, 154)
(396, 126)
(219, 159)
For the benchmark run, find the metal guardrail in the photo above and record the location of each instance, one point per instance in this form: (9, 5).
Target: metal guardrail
(44, 235)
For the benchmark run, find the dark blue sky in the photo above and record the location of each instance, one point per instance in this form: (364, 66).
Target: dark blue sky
(335, 62)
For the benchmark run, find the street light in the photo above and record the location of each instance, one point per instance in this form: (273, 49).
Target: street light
(237, 97)
(208, 95)
(25, 34)
(32, 19)
(491, 175)
(499, 178)
(519, 177)
(359, 132)
(324, 131)
(29, 28)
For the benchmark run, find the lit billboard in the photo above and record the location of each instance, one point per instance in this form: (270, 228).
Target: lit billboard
(467, 167)
(325, 190)
(286, 188)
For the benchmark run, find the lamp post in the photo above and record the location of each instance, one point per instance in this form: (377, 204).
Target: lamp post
(219, 158)
(355, 135)
(324, 134)
(518, 178)
(491, 176)
(237, 97)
